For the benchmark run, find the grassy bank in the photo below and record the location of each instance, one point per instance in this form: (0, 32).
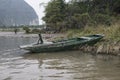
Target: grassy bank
(110, 43)
(111, 32)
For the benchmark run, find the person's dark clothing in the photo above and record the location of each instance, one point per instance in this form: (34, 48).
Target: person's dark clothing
(40, 40)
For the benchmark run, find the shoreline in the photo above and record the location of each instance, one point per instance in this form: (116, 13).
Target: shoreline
(102, 47)
(23, 34)
(19, 34)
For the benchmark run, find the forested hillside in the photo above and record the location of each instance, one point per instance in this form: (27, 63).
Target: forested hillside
(16, 12)
(60, 15)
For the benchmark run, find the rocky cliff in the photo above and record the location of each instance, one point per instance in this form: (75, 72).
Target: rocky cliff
(17, 12)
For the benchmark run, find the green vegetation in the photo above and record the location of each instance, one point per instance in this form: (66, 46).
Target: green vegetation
(27, 29)
(83, 17)
(111, 32)
(60, 15)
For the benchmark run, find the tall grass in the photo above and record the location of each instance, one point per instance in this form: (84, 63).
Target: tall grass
(111, 32)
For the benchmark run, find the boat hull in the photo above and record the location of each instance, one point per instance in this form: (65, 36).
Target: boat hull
(53, 49)
(63, 45)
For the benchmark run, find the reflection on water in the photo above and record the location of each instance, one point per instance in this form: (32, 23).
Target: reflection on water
(14, 42)
(70, 65)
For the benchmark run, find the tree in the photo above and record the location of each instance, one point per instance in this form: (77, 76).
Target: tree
(79, 13)
(27, 29)
(54, 13)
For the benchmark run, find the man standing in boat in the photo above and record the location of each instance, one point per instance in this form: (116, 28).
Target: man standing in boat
(40, 40)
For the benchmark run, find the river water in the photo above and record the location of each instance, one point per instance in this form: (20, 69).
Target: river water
(16, 64)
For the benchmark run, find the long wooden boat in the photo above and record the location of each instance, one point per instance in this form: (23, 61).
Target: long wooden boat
(62, 45)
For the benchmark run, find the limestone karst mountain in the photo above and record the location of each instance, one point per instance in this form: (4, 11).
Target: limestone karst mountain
(17, 12)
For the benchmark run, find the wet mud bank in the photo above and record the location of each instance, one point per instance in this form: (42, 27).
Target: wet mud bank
(103, 47)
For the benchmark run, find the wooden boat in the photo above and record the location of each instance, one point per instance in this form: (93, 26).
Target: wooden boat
(61, 45)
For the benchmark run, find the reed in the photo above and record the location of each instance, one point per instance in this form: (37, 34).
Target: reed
(111, 32)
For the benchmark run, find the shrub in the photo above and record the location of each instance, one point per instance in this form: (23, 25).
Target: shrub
(36, 31)
(81, 20)
(102, 19)
(27, 29)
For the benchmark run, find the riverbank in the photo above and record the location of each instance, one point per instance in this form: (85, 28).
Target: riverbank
(23, 34)
(105, 46)
(110, 44)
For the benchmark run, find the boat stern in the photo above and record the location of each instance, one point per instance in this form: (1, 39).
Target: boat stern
(26, 47)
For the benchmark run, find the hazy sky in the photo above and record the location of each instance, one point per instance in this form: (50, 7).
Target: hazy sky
(39, 9)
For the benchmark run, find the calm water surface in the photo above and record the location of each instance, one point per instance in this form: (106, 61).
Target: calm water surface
(17, 64)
